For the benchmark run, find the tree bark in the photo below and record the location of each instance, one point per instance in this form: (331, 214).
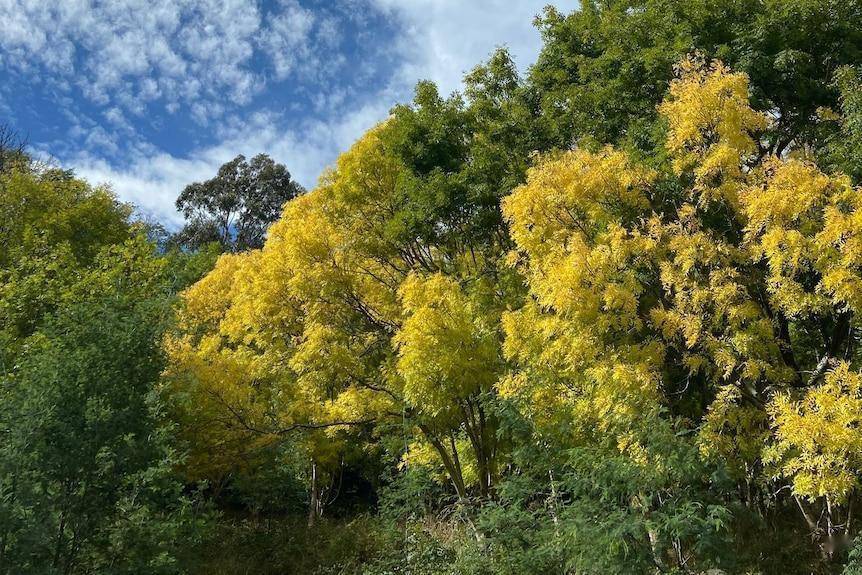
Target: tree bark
(314, 502)
(453, 469)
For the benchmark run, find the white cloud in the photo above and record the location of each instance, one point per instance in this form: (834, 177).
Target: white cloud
(152, 179)
(444, 39)
(187, 53)
(286, 39)
(130, 52)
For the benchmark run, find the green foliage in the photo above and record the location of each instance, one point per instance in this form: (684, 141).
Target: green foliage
(86, 461)
(235, 207)
(52, 226)
(52, 209)
(599, 319)
(842, 150)
(854, 564)
(606, 66)
(287, 546)
(86, 458)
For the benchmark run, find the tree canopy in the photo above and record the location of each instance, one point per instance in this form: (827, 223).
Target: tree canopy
(599, 317)
(236, 206)
(670, 317)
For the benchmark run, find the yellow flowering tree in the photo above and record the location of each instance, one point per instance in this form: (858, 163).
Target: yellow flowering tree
(352, 313)
(713, 296)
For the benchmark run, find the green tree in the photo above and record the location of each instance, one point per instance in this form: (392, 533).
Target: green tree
(86, 475)
(52, 226)
(604, 68)
(842, 152)
(235, 207)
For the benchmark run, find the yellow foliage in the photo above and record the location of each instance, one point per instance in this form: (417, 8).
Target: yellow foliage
(332, 320)
(710, 123)
(575, 194)
(445, 351)
(734, 432)
(819, 437)
(206, 302)
(422, 454)
(570, 219)
(634, 287)
(578, 223)
(616, 280)
(710, 314)
(785, 208)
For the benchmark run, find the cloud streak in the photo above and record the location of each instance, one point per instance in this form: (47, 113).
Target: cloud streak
(444, 39)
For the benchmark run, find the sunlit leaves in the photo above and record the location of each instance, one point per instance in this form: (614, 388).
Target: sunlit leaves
(818, 437)
(710, 127)
(446, 350)
(630, 293)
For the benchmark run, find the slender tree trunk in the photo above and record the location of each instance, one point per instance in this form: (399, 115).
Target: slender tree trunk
(476, 425)
(553, 506)
(58, 544)
(3, 551)
(314, 503)
(453, 469)
(71, 556)
(812, 524)
(830, 530)
(655, 549)
(816, 531)
(482, 456)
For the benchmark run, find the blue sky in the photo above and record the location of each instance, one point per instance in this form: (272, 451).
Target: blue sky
(150, 95)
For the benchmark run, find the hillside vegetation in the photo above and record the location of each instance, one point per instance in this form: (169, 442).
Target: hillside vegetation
(598, 318)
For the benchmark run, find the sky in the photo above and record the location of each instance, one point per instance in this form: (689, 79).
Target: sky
(151, 95)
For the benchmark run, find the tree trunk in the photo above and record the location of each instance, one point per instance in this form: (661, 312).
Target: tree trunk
(314, 502)
(453, 469)
(476, 426)
(58, 545)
